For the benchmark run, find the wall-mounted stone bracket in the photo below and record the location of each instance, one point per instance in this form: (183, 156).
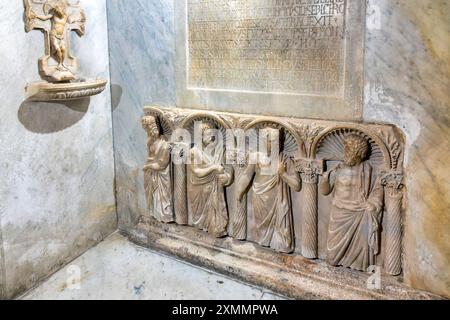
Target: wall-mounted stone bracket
(335, 198)
(45, 91)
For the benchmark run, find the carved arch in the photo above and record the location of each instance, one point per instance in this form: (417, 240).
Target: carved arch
(293, 141)
(208, 116)
(329, 145)
(222, 124)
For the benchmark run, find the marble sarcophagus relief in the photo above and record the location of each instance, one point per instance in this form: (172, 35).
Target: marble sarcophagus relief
(322, 190)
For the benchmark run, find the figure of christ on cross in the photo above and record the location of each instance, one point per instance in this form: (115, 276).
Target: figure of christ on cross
(59, 19)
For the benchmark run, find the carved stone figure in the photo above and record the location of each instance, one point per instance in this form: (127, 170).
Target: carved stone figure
(271, 198)
(57, 18)
(208, 178)
(157, 173)
(353, 236)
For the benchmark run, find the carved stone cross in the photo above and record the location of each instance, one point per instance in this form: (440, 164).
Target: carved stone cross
(56, 19)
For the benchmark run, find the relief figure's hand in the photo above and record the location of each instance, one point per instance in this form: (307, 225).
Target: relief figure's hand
(282, 168)
(223, 179)
(219, 169)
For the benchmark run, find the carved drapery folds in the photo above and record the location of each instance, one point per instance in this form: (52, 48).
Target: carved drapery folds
(158, 170)
(332, 191)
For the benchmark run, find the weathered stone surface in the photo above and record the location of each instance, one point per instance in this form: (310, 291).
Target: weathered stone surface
(289, 275)
(267, 46)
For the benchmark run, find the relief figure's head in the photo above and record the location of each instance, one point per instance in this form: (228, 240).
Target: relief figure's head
(150, 124)
(356, 150)
(209, 131)
(271, 139)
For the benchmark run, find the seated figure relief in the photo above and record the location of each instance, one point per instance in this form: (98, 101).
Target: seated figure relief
(271, 199)
(206, 186)
(157, 173)
(353, 236)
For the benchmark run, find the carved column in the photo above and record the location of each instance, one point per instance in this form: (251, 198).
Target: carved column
(239, 219)
(393, 185)
(309, 171)
(180, 185)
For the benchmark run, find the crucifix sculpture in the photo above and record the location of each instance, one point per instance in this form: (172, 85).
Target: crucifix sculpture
(57, 19)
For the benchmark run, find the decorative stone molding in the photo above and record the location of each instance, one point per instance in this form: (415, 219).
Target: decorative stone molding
(58, 67)
(358, 165)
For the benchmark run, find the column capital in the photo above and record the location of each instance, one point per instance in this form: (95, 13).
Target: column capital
(309, 169)
(393, 181)
(179, 151)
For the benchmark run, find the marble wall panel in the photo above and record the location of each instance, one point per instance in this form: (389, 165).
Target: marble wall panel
(407, 84)
(57, 168)
(141, 35)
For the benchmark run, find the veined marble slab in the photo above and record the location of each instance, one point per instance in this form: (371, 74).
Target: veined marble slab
(301, 59)
(142, 48)
(57, 167)
(119, 270)
(407, 84)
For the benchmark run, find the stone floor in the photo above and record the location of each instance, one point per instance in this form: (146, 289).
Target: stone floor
(118, 269)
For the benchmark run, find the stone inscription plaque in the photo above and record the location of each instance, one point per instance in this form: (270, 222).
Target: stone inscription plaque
(282, 46)
(300, 58)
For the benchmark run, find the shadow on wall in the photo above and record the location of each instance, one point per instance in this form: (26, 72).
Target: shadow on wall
(116, 96)
(51, 117)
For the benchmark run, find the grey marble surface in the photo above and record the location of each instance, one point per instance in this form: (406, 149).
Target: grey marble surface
(119, 270)
(57, 172)
(407, 84)
(142, 48)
